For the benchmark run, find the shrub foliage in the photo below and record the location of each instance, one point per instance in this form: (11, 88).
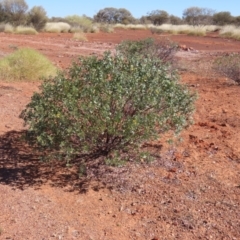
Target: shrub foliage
(105, 105)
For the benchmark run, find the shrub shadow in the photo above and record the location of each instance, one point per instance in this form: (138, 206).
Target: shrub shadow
(21, 167)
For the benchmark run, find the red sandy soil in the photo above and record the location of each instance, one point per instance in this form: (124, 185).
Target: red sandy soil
(191, 190)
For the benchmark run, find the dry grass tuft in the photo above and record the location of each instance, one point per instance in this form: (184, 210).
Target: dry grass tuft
(57, 27)
(25, 30)
(26, 64)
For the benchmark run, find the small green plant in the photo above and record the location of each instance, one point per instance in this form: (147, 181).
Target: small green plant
(104, 105)
(82, 170)
(115, 159)
(145, 157)
(25, 64)
(229, 66)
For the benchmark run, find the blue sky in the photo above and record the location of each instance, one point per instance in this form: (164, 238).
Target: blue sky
(138, 8)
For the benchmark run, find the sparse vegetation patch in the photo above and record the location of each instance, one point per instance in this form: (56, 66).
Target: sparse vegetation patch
(229, 66)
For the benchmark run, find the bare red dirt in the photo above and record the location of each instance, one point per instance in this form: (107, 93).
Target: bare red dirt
(191, 190)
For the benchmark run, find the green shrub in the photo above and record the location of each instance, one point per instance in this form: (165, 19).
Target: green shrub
(229, 66)
(104, 105)
(25, 64)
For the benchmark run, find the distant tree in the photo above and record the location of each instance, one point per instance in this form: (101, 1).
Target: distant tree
(14, 11)
(37, 17)
(3, 15)
(125, 17)
(175, 20)
(237, 20)
(114, 15)
(144, 20)
(198, 16)
(223, 18)
(158, 17)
